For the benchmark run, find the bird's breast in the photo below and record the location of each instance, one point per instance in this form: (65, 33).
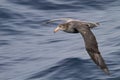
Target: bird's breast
(73, 30)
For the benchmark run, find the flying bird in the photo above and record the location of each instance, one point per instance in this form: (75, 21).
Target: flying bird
(84, 28)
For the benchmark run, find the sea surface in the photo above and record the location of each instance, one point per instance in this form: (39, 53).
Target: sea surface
(29, 50)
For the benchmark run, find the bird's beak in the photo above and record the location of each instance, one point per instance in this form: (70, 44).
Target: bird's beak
(56, 29)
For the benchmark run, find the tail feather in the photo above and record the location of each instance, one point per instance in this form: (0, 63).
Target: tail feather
(92, 25)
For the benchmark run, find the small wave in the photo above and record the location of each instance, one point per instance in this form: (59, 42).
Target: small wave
(67, 68)
(64, 4)
(4, 42)
(49, 41)
(11, 32)
(8, 14)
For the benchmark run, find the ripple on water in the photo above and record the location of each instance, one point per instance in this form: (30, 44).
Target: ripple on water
(70, 68)
(63, 4)
(8, 14)
(4, 42)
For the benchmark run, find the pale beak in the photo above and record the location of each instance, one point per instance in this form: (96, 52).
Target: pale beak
(56, 29)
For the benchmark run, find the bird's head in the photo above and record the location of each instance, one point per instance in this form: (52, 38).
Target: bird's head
(62, 27)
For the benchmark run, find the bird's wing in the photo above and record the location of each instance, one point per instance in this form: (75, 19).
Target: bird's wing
(62, 19)
(92, 47)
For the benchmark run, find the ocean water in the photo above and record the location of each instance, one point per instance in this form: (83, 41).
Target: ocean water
(29, 50)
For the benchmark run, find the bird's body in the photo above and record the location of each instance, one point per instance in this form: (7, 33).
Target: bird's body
(91, 45)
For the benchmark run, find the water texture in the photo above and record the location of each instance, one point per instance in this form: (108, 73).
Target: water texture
(29, 50)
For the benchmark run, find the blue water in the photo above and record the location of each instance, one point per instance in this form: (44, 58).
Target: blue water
(29, 50)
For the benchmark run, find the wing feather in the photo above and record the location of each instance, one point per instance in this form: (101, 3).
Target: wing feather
(60, 19)
(92, 47)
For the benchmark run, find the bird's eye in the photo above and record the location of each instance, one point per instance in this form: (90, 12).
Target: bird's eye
(61, 26)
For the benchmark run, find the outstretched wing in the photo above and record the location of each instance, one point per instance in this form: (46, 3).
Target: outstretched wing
(89, 24)
(92, 47)
(60, 19)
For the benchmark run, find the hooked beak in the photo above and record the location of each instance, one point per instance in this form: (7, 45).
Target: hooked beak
(56, 29)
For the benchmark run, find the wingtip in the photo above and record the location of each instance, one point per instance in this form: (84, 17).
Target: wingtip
(106, 71)
(97, 23)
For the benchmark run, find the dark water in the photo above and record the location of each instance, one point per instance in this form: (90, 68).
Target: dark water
(29, 50)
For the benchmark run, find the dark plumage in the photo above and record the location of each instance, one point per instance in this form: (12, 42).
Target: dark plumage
(76, 26)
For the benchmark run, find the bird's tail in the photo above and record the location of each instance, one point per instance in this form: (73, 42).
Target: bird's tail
(97, 58)
(92, 25)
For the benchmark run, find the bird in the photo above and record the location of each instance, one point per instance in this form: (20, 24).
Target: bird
(84, 28)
